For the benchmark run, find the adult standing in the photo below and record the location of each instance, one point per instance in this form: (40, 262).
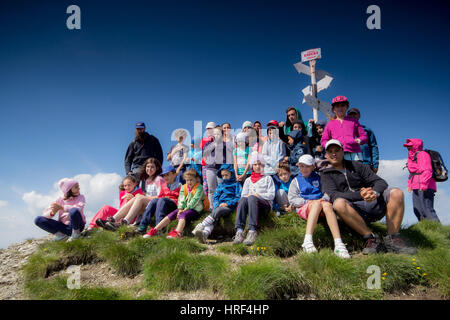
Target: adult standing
(421, 181)
(142, 147)
(370, 152)
(359, 197)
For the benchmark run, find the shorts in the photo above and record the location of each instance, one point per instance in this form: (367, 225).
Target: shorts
(303, 211)
(372, 211)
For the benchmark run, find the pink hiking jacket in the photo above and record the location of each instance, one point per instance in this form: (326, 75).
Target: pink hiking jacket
(77, 202)
(346, 132)
(421, 172)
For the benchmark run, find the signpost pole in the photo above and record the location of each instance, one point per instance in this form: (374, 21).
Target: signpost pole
(312, 64)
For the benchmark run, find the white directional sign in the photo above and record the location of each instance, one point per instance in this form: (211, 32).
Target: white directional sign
(303, 68)
(311, 54)
(321, 85)
(323, 106)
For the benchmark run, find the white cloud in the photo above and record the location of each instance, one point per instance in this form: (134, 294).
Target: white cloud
(3, 203)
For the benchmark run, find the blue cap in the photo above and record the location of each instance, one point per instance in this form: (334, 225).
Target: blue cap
(140, 125)
(167, 169)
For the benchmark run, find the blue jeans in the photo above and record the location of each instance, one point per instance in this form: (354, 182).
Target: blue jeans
(53, 226)
(423, 203)
(160, 207)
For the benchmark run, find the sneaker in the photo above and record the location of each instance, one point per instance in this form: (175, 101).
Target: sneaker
(141, 230)
(341, 251)
(151, 233)
(201, 235)
(198, 228)
(86, 233)
(110, 219)
(373, 245)
(60, 236)
(251, 237)
(101, 223)
(238, 238)
(75, 235)
(309, 247)
(396, 244)
(174, 234)
(111, 226)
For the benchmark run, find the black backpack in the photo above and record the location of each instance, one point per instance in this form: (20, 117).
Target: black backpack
(440, 173)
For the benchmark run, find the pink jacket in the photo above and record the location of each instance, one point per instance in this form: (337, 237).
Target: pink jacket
(123, 192)
(346, 132)
(423, 179)
(77, 202)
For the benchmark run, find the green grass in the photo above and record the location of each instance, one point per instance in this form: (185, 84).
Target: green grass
(266, 278)
(179, 270)
(281, 269)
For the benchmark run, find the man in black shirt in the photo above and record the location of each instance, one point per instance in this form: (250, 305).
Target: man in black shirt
(143, 146)
(359, 196)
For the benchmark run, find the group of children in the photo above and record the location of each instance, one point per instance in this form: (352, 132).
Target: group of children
(249, 173)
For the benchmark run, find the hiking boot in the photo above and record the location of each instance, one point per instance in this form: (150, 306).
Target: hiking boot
(309, 247)
(373, 245)
(341, 251)
(396, 244)
(251, 237)
(238, 238)
(174, 234)
(198, 228)
(151, 233)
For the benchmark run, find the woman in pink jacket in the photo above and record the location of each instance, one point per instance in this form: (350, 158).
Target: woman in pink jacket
(421, 180)
(345, 129)
(69, 208)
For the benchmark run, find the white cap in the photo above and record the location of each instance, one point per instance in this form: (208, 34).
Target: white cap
(246, 124)
(306, 159)
(210, 125)
(333, 141)
(255, 157)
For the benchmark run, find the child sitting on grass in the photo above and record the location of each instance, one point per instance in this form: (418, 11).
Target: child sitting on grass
(128, 190)
(305, 194)
(256, 199)
(165, 203)
(190, 204)
(225, 200)
(282, 181)
(69, 208)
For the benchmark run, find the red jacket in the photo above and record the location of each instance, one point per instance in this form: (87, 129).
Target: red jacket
(171, 194)
(123, 192)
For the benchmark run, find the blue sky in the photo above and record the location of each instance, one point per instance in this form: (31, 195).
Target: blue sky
(69, 99)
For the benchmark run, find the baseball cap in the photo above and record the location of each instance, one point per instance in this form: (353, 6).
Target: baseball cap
(167, 169)
(210, 125)
(140, 125)
(333, 141)
(306, 159)
(339, 99)
(246, 124)
(272, 123)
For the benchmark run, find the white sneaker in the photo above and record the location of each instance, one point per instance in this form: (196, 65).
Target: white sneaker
(60, 236)
(309, 247)
(197, 228)
(341, 252)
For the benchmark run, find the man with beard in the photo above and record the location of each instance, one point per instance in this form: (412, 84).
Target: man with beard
(143, 146)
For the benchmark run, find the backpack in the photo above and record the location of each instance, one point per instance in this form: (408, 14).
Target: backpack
(440, 172)
(205, 198)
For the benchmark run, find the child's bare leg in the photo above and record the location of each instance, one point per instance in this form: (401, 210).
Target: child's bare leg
(124, 210)
(180, 226)
(315, 207)
(138, 206)
(163, 223)
(331, 219)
